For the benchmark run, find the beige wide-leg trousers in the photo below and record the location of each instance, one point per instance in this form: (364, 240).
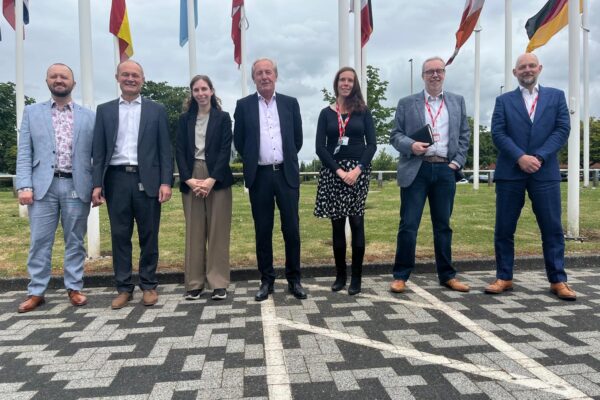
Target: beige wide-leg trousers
(207, 232)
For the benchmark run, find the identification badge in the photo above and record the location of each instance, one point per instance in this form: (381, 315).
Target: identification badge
(436, 136)
(140, 187)
(343, 141)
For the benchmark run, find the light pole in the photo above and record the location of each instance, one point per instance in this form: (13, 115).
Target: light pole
(411, 75)
(501, 87)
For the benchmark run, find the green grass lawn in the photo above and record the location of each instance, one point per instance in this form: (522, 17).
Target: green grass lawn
(473, 224)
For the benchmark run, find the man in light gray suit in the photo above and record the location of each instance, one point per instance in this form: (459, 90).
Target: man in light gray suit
(429, 172)
(54, 179)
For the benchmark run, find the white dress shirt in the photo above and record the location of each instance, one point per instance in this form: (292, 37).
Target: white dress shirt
(440, 125)
(530, 99)
(126, 146)
(271, 146)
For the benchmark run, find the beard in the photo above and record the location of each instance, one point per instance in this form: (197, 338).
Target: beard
(61, 91)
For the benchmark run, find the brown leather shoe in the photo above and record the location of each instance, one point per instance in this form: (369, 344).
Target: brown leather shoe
(121, 300)
(150, 297)
(563, 291)
(31, 303)
(455, 284)
(77, 298)
(498, 286)
(398, 286)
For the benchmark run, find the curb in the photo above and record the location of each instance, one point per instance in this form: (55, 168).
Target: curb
(312, 271)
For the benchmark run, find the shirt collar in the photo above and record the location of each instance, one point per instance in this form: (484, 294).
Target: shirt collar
(429, 97)
(137, 100)
(536, 89)
(263, 99)
(68, 106)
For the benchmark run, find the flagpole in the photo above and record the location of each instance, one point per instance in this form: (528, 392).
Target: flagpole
(191, 25)
(477, 107)
(586, 93)
(117, 62)
(343, 32)
(87, 94)
(357, 40)
(243, 50)
(507, 45)
(19, 76)
(363, 72)
(573, 145)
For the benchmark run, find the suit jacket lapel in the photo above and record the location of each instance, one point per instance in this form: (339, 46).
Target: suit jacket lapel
(76, 124)
(254, 112)
(420, 105)
(191, 132)
(519, 104)
(143, 120)
(48, 122)
(114, 110)
(453, 114)
(541, 104)
(210, 127)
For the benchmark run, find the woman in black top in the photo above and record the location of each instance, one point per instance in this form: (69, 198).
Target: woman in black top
(345, 145)
(202, 153)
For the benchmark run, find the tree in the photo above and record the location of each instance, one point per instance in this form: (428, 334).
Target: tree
(383, 162)
(8, 127)
(172, 97)
(382, 116)
(487, 151)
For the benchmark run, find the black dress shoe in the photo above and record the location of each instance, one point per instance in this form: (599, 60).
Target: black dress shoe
(297, 290)
(263, 292)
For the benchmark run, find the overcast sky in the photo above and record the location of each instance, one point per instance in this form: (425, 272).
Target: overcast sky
(302, 36)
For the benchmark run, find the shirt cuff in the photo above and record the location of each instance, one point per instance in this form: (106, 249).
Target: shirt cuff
(456, 163)
(25, 189)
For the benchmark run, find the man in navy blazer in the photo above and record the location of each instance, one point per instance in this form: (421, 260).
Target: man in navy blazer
(529, 126)
(133, 173)
(428, 172)
(54, 179)
(268, 137)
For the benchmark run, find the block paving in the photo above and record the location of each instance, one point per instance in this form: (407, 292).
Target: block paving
(427, 343)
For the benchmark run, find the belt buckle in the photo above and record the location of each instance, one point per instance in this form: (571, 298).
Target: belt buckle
(276, 167)
(130, 168)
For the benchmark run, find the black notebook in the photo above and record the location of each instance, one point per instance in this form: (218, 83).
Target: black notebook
(425, 135)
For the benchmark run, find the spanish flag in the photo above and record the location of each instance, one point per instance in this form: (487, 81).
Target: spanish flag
(548, 21)
(119, 26)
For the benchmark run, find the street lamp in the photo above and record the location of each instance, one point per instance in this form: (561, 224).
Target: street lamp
(501, 87)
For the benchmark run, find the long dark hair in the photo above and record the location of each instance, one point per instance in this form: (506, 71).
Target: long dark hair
(191, 106)
(355, 101)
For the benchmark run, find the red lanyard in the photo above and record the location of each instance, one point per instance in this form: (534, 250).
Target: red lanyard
(532, 110)
(341, 122)
(433, 119)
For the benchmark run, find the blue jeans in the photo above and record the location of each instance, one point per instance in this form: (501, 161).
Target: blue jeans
(60, 202)
(545, 200)
(435, 182)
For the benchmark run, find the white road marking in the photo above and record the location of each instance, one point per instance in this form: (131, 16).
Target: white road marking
(278, 380)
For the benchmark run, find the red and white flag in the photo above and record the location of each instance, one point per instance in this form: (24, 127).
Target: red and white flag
(236, 30)
(467, 24)
(366, 20)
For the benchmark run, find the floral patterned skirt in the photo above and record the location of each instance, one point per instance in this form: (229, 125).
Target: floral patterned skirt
(335, 199)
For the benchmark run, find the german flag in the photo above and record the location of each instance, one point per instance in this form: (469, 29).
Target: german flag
(548, 21)
(119, 26)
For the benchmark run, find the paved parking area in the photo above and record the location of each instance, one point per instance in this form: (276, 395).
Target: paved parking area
(428, 343)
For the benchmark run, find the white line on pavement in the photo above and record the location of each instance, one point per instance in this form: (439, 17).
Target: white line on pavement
(278, 379)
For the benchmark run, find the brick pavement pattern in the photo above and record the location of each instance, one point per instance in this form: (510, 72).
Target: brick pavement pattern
(427, 343)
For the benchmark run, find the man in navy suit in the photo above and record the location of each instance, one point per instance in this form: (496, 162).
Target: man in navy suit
(529, 126)
(133, 173)
(54, 179)
(268, 137)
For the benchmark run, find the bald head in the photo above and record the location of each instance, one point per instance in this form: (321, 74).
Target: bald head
(527, 70)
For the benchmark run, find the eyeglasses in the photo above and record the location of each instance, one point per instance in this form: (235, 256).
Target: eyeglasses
(431, 72)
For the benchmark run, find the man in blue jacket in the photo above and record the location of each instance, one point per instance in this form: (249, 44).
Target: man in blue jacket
(529, 127)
